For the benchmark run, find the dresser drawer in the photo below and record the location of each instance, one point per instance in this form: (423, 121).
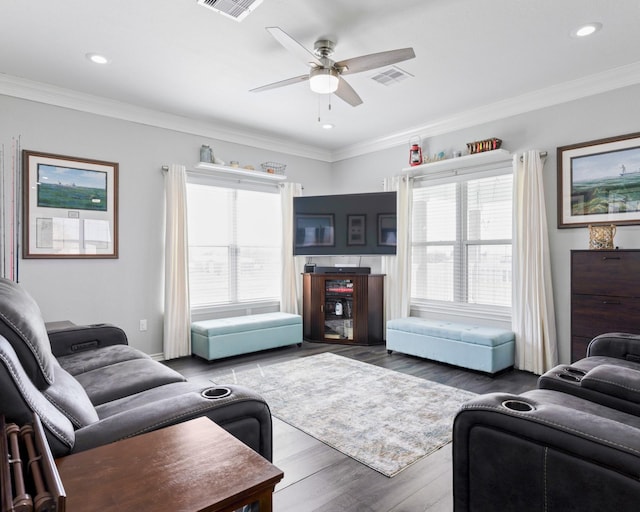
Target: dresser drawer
(592, 315)
(579, 347)
(612, 273)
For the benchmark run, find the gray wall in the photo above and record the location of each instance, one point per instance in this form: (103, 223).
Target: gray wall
(125, 290)
(604, 115)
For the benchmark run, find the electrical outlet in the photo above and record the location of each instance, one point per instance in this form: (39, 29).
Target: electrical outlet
(143, 325)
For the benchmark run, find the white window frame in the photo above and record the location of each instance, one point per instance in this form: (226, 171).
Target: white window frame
(460, 310)
(203, 177)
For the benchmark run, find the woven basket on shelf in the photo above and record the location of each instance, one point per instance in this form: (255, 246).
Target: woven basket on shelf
(273, 167)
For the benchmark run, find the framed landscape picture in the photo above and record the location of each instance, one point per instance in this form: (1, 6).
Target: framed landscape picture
(70, 207)
(599, 182)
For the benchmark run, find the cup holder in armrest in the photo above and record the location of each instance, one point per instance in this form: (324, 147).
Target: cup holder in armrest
(570, 374)
(570, 377)
(216, 393)
(518, 406)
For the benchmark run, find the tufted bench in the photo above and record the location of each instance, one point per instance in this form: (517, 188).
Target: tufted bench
(224, 337)
(487, 349)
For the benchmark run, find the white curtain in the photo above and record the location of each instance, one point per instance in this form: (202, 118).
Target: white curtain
(177, 314)
(533, 316)
(291, 266)
(397, 289)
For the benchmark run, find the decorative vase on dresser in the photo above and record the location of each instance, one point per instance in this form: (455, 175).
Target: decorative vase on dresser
(605, 295)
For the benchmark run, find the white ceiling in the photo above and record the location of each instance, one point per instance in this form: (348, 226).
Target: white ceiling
(474, 59)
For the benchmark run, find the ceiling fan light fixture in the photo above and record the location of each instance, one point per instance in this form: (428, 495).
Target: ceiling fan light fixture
(323, 80)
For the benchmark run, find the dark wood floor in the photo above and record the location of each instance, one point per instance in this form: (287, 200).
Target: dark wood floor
(319, 478)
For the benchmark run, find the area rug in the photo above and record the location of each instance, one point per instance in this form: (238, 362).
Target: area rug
(384, 419)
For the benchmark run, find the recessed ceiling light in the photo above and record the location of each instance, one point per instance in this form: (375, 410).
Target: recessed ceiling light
(327, 126)
(587, 29)
(96, 58)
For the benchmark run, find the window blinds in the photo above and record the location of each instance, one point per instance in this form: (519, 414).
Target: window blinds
(234, 245)
(461, 239)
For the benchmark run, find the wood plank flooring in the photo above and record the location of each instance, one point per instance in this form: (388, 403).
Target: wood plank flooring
(319, 478)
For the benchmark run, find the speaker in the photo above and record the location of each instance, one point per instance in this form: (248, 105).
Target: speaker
(310, 268)
(343, 270)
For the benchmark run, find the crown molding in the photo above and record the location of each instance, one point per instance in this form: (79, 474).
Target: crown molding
(616, 78)
(74, 100)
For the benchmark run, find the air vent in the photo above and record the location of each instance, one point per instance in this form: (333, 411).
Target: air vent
(238, 10)
(391, 76)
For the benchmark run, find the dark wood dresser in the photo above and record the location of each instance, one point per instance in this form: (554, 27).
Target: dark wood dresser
(605, 295)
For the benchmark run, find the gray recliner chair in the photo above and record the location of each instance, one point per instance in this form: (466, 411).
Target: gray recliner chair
(90, 388)
(572, 444)
(547, 451)
(608, 375)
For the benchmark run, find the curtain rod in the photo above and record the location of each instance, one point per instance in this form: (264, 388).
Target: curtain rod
(543, 154)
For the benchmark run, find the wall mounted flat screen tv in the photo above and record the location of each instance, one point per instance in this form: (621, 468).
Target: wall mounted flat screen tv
(346, 224)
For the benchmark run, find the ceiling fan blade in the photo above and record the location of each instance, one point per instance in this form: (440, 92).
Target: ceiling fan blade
(281, 83)
(346, 93)
(374, 60)
(294, 46)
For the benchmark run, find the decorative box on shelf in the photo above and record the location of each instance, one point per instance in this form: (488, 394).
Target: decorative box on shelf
(462, 162)
(239, 172)
(480, 146)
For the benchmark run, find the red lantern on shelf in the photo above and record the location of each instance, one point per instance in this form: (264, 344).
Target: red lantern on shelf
(415, 155)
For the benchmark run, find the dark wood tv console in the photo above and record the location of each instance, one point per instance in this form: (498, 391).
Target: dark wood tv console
(343, 308)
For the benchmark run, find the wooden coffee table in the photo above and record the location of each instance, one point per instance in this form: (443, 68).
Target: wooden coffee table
(193, 466)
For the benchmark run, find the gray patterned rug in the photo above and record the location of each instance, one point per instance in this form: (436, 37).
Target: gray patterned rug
(382, 418)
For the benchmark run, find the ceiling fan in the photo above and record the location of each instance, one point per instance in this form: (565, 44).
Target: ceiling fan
(325, 75)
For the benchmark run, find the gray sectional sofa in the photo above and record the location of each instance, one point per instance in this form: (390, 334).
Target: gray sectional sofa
(571, 444)
(90, 388)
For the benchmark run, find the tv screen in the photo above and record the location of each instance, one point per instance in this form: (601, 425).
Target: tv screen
(347, 224)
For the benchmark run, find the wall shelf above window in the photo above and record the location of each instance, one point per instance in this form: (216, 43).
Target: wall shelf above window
(461, 162)
(227, 171)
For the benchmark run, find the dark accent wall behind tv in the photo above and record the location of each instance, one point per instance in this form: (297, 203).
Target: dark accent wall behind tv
(347, 224)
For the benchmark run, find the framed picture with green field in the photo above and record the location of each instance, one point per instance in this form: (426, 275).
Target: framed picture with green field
(70, 207)
(599, 182)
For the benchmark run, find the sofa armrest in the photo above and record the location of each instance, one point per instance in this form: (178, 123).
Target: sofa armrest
(620, 345)
(242, 412)
(616, 381)
(74, 339)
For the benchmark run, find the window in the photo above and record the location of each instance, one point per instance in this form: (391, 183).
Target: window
(461, 240)
(234, 245)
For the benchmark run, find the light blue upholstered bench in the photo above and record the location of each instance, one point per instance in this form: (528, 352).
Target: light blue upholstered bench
(487, 349)
(225, 337)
